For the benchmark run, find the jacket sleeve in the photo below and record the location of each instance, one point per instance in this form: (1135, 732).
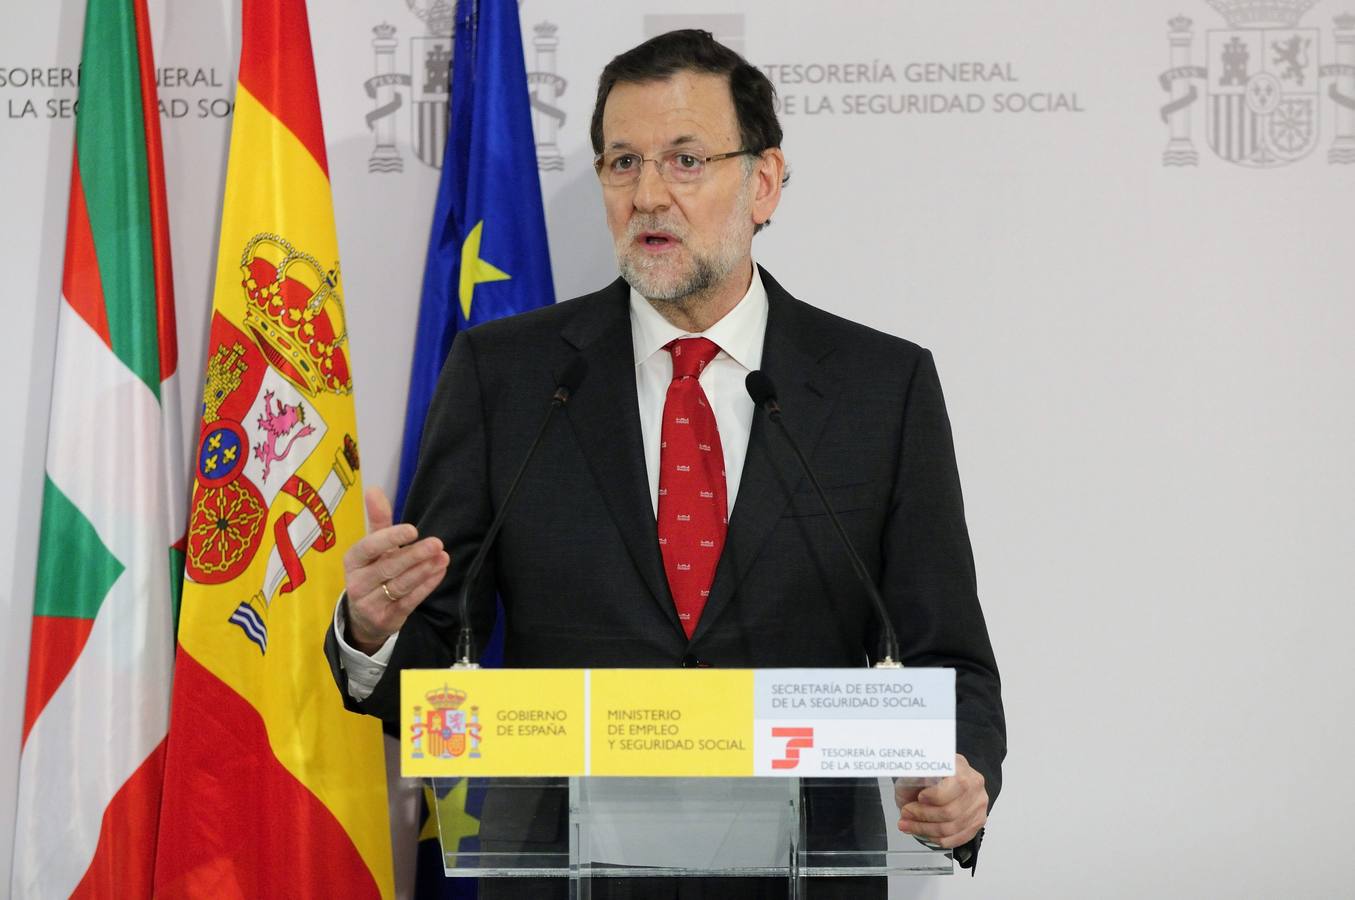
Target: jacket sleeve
(928, 576)
(449, 498)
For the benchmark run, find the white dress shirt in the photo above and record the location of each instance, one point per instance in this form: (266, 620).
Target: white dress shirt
(739, 335)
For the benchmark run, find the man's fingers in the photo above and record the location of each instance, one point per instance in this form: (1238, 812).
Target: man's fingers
(405, 586)
(401, 572)
(423, 589)
(947, 790)
(382, 612)
(934, 830)
(378, 509)
(382, 534)
(397, 595)
(948, 841)
(925, 812)
(378, 543)
(947, 834)
(949, 812)
(905, 794)
(391, 567)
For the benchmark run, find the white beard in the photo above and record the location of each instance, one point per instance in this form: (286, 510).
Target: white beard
(656, 280)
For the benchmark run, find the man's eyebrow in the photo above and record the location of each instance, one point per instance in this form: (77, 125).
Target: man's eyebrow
(681, 140)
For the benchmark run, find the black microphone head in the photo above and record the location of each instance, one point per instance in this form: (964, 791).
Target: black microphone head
(760, 388)
(571, 377)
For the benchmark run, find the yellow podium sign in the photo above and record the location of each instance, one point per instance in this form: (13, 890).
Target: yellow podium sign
(677, 723)
(507, 722)
(671, 722)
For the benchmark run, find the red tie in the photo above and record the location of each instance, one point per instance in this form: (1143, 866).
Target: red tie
(693, 511)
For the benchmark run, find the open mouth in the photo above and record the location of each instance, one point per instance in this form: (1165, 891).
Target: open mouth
(657, 240)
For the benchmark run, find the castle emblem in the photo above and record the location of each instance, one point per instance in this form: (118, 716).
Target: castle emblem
(1263, 83)
(448, 730)
(431, 80)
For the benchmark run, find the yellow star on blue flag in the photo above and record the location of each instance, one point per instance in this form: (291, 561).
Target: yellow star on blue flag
(475, 270)
(488, 219)
(450, 810)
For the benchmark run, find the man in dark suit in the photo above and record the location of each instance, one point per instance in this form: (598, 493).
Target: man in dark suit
(600, 562)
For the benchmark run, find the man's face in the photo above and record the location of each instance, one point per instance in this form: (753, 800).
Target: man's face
(674, 241)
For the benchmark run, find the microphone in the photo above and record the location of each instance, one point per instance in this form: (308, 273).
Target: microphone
(763, 392)
(566, 384)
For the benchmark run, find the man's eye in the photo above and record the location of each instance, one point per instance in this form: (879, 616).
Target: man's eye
(687, 161)
(624, 163)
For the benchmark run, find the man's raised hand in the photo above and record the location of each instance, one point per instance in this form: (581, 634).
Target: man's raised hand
(387, 574)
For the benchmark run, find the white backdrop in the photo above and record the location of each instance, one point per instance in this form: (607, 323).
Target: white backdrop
(1146, 365)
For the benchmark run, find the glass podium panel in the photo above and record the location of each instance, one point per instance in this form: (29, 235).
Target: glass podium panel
(598, 827)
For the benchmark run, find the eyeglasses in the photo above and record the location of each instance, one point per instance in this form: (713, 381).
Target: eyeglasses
(622, 169)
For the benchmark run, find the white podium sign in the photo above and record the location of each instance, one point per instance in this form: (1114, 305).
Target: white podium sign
(849, 723)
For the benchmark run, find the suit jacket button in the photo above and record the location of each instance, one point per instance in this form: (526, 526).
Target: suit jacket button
(689, 661)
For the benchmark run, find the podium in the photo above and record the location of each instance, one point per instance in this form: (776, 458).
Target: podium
(600, 774)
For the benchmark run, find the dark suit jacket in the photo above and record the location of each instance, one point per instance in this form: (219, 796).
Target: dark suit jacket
(578, 564)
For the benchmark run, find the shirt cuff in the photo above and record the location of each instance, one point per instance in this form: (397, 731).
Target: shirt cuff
(363, 671)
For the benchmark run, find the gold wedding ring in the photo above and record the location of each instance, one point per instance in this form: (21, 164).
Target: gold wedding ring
(389, 596)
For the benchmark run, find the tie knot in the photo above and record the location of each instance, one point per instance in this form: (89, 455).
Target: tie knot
(691, 355)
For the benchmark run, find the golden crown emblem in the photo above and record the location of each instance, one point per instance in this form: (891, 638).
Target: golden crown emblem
(439, 16)
(295, 312)
(1263, 13)
(446, 697)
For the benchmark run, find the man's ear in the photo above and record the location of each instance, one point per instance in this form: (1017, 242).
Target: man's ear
(769, 171)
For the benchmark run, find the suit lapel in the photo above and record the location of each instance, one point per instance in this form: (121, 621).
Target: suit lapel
(791, 357)
(605, 417)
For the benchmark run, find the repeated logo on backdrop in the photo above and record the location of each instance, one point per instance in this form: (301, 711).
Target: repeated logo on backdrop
(1263, 101)
(428, 84)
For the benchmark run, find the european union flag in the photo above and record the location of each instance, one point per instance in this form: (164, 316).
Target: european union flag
(487, 254)
(487, 257)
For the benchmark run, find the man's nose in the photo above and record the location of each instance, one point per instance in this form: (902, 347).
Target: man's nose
(651, 191)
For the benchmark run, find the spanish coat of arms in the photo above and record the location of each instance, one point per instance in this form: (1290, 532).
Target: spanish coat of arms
(1263, 86)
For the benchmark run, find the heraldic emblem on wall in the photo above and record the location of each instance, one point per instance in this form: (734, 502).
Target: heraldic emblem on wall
(1263, 82)
(448, 729)
(260, 424)
(428, 83)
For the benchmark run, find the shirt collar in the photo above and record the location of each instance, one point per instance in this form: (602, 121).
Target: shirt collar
(739, 334)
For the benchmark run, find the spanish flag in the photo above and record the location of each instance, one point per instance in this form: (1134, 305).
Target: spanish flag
(271, 788)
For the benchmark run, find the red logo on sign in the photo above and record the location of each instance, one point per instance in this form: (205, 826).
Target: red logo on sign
(797, 739)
